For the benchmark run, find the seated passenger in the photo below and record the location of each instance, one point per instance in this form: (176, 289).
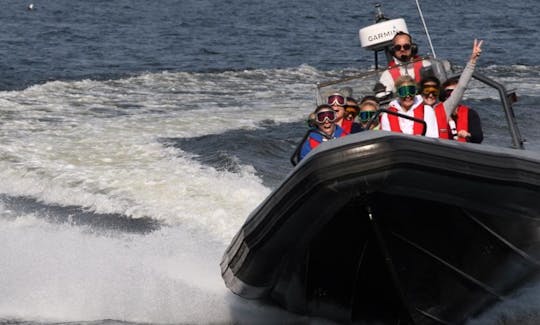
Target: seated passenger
(325, 129)
(351, 111)
(338, 101)
(411, 104)
(448, 110)
(368, 106)
(464, 123)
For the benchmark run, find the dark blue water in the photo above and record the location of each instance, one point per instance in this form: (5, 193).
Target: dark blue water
(136, 137)
(106, 39)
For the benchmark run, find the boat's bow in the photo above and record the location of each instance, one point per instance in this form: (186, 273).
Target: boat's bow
(387, 226)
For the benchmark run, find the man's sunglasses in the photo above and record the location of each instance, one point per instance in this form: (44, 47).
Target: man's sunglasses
(405, 47)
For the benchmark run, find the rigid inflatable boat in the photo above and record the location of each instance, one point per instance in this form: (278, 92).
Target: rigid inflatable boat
(386, 227)
(381, 227)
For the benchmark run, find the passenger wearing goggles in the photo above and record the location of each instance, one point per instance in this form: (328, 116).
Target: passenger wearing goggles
(411, 104)
(345, 108)
(454, 120)
(405, 61)
(368, 107)
(429, 89)
(463, 124)
(324, 119)
(338, 101)
(351, 109)
(351, 112)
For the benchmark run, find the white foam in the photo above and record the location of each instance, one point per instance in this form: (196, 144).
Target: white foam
(97, 145)
(59, 273)
(54, 273)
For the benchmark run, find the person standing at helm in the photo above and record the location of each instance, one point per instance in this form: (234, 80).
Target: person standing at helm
(405, 61)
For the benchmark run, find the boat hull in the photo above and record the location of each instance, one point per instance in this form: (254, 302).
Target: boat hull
(385, 227)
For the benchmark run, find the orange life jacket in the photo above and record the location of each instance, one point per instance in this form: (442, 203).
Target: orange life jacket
(417, 127)
(395, 72)
(346, 125)
(445, 132)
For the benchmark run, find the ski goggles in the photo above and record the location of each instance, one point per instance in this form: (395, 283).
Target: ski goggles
(329, 115)
(430, 91)
(406, 91)
(351, 109)
(336, 100)
(366, 116)
(405, 47)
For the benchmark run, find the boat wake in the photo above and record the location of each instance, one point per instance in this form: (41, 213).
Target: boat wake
(76, 216)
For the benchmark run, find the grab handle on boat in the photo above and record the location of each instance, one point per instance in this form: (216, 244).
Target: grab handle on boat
(506, 100)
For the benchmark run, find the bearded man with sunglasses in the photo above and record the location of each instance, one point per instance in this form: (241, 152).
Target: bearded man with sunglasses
(404, 61)
(410, 104)
(324, 119)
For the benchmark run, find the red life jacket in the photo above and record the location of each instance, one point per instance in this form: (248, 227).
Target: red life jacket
(346, 125)
(313, 143)
(445, 132)
(395, 72)
(417, 127)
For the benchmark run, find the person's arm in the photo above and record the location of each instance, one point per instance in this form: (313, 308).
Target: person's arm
(453, 100)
